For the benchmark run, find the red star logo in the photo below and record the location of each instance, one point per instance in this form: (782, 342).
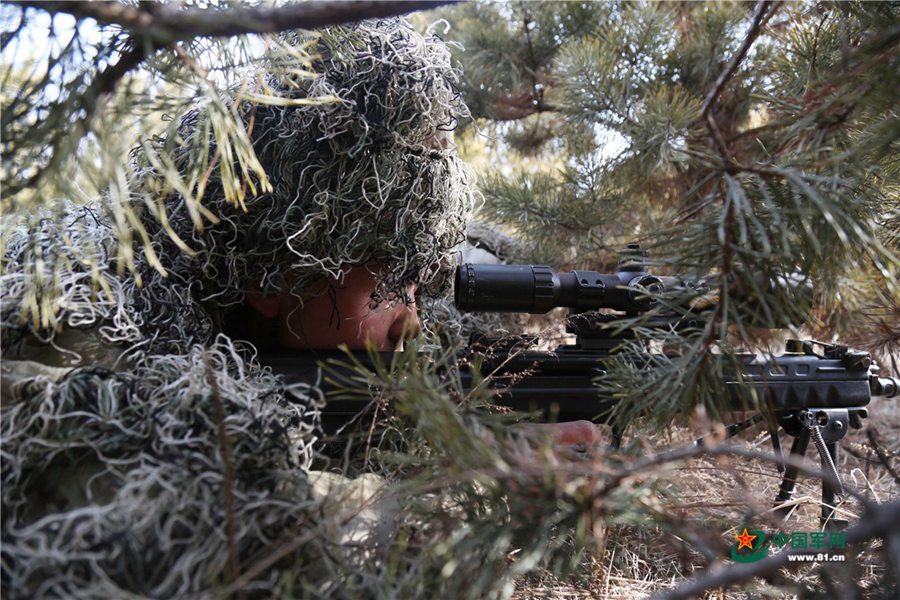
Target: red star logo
(745, 540)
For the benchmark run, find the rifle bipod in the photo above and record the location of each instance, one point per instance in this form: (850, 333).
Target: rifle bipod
(826, 428)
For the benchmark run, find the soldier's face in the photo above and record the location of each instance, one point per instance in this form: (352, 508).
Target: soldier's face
(341, 313)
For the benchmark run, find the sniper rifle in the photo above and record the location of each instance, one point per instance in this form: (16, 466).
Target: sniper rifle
(813, 392)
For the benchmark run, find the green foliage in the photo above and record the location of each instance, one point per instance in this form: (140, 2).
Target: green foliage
(778, 182)
(789, 166)
(596, 129)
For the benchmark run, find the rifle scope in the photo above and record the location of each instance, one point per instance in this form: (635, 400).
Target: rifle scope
(540, 288)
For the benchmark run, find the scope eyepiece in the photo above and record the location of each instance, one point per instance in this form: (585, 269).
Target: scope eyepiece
(539, 288)
(643, 287)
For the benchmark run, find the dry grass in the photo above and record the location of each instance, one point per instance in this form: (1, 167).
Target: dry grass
(713, 497)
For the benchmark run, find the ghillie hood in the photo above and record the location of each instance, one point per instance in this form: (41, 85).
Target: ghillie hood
(369, 177)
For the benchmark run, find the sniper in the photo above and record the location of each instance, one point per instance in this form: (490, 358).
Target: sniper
(146, 449)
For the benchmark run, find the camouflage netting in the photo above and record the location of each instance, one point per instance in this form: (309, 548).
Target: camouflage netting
(114, 481)
(113, 476)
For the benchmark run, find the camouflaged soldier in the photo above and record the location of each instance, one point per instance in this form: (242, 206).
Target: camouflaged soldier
(114, 471)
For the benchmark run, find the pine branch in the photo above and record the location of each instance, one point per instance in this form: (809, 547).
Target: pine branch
(642, 467)
(159, 26)
(93, 97)
(225, 448)
(165, 24)
(882, 457)
(518, 108)
(879, 521)
(728, 73)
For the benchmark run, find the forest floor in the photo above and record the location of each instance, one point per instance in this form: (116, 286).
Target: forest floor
(717, 499)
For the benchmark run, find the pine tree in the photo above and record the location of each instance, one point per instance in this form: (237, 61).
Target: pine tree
(738, 142)
(742, 143)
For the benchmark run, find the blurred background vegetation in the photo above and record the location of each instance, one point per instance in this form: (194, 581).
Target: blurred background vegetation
(597, 124)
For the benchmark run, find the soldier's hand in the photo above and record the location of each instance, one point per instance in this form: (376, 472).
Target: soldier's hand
(573, 441)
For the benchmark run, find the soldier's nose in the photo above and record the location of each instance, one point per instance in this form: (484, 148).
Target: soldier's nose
(405, 325)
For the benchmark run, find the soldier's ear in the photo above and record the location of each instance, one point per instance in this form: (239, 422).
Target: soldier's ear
(267, 305)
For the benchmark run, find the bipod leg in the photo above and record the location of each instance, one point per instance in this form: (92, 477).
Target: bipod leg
(830, 492)
(827, 427)
(772, 426)
(733, 429)
(616, 442)
(786, 491)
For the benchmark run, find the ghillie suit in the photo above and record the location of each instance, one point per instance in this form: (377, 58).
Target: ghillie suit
(143, 451)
